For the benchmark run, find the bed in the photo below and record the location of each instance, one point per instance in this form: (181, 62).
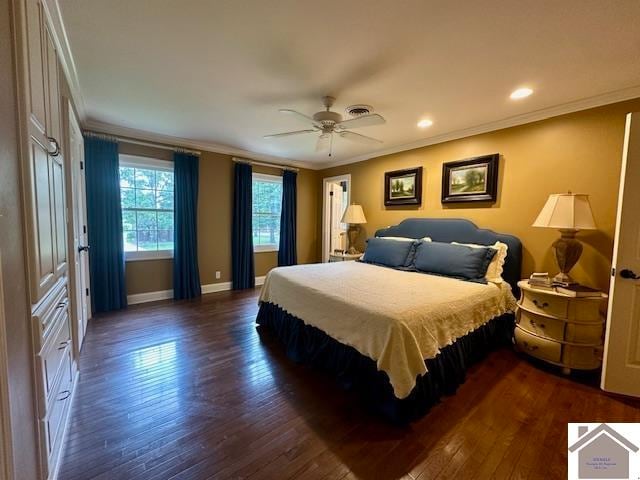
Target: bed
(402, 339)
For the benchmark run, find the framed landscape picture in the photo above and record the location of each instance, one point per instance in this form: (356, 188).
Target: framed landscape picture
(403, 187)
(471, 180)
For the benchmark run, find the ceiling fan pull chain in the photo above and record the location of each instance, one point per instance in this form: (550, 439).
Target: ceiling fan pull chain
(331, 144)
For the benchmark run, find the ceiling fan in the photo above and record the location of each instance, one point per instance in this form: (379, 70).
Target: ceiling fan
(328, 123)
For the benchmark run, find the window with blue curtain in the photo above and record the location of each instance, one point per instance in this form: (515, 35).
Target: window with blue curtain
(242, 266)
(287, 252)
(266, 211)
(186, 276)
(104, 225)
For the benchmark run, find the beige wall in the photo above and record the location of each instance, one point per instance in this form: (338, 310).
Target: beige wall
(15, 315)
(215, 204)
(580, 152)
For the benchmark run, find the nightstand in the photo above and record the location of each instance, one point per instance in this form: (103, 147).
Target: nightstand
(344, 257)
(560, 329)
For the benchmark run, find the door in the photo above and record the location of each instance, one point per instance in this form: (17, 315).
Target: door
(79, 239)
(338, 201)
(621, 368)
(336, 192)
(41, 216)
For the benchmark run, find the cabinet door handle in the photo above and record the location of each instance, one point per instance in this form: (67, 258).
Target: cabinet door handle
(66, 394)
(61, 304)
(63, 345)
(56, 150)
(540, 304)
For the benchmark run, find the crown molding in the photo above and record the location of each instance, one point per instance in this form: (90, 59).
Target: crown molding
(61, 40)
(135, 134)
(537, 115)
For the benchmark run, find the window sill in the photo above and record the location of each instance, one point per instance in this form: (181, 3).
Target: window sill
(265, 248)
(146, 256)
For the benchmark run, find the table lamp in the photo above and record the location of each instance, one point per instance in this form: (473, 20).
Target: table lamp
(354, 216)
(569, 213)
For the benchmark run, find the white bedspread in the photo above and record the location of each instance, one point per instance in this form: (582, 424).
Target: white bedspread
(396, 318)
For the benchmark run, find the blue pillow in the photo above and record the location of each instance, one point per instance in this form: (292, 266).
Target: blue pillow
(450, 260)
(390, 253)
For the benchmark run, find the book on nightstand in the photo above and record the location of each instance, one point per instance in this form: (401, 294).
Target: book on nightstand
(579, 291)
(541, 281)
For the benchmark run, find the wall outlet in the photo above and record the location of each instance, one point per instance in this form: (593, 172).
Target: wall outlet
(217, 275)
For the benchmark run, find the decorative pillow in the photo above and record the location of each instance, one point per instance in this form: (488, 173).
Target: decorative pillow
(495, 268)
(390, 253)
(457, 261)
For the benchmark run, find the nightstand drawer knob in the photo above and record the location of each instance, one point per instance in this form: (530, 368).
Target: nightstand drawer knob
(531, 348)
(540, 304)
(534, 324)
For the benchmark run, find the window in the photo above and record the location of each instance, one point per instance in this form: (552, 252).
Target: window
(267, 203)
(146, 193)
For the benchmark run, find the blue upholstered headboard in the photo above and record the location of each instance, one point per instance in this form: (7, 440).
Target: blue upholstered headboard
(464, 231)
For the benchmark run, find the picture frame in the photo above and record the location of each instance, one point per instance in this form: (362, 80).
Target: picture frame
(471, 180)
(403, 187)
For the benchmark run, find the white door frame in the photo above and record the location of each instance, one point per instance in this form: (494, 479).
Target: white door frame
(326, 211)
(6, 450)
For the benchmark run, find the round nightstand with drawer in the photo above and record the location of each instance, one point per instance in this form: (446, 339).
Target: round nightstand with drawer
(560, 329)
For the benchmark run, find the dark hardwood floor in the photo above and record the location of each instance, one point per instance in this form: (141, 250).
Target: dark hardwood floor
(188, 390)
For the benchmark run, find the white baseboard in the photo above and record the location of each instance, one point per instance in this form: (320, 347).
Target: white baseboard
(149, 297)
(216, 287)
(167, 294)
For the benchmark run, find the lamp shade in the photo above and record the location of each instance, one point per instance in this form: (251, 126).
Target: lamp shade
(566, 211)
(353, 214)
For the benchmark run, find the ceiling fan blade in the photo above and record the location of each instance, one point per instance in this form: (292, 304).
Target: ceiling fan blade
(323, 142)
(286, 134)
(301, 116)
(362, 121)
(356, 137)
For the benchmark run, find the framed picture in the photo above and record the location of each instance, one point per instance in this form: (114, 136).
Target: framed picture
(471, 180)
(403, 187)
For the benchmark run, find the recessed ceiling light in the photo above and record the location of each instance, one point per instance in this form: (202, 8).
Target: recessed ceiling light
(425, 123)
(521, 93)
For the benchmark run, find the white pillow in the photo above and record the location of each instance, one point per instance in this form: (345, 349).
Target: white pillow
(495, 268)
(407, 239)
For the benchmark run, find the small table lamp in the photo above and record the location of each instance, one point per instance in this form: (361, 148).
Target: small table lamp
(354, 216)
(568, 212)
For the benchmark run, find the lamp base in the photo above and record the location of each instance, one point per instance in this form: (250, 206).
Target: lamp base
(568, 251)
(352, 233)
(563, 279)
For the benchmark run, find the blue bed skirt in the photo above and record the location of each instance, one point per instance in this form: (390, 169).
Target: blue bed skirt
(309, 345)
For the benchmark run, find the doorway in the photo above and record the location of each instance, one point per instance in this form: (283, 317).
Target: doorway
(336, 195)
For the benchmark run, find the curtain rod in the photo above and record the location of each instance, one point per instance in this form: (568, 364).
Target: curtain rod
(162, 146)
(264, 164)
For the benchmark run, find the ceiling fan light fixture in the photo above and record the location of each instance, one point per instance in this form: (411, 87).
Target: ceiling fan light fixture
(425, 123)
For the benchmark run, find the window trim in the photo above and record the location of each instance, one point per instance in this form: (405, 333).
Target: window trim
(264, 177)
(135, 161)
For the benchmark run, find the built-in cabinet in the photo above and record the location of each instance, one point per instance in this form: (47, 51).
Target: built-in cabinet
(45, 213)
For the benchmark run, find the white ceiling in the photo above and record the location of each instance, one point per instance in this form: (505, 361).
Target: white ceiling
(217, 71)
